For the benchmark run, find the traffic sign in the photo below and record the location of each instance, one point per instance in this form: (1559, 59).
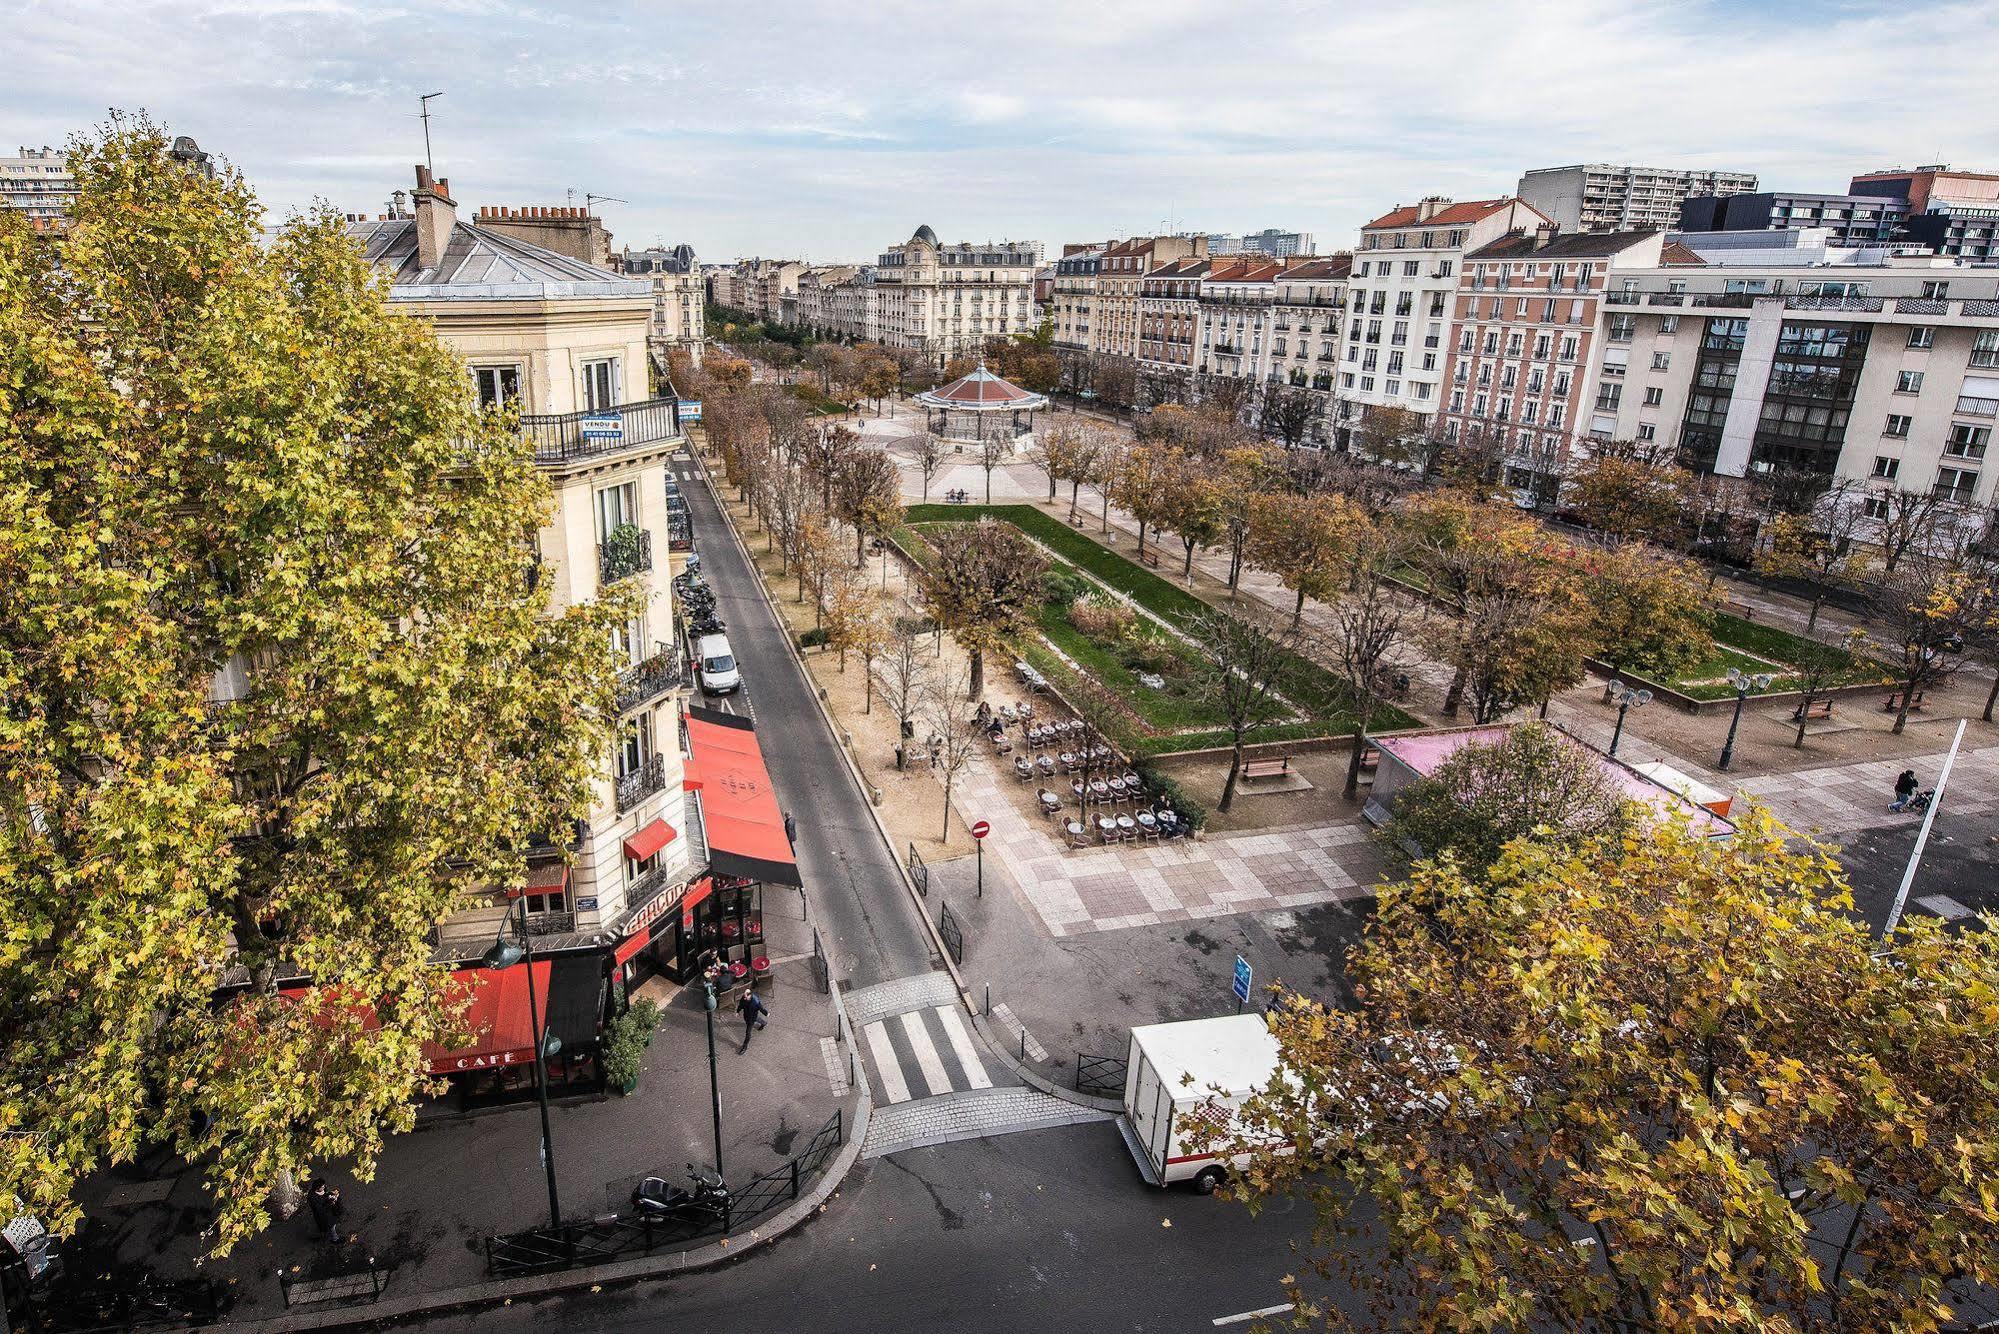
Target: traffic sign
(1241, 987)
(980, 829)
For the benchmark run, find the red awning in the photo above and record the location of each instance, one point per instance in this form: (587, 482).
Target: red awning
(635, 942)
(545, 877)
(740, 820)
(650, 840)
(696, 892)
(497, 1019)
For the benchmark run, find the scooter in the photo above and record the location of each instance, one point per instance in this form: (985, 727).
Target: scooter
(660, 1200)
(1921, 801)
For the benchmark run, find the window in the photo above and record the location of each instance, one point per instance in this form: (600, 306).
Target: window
(1646, 430)
(499, 386)
(1541, 345)
(600, 384)
(1457, 400)
(1875, 507)
(1410, 267)
(1395, 387)
(616, 506)
(634, 745)
(1898, 425)
(1922, 336)
(1557, 411)
(1935, 291)
(1608, 397)
(1443, 268)
(1885, 468)
(1662, 361)
(1985, 348)
(1967, 442)
(1957, 484)
(1909, 382)
(1654, 396)
(1529, 410)
(1669, 324)
(1367, 384)
(1429, 361)
(1561, 384)
(1622, 328)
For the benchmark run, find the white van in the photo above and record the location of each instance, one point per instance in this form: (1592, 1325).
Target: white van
(1229, 1060)
(718, 665)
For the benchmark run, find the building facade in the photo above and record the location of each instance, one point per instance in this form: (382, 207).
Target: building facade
(1270, 241)
(566, 344)
(1951, 212)
(946, 301)
(37, 183)
(1310, 300)
(1531, 364)
(1073, 295)
(1120, 281)
(1169, 317)
(1850, 219)
(1238, 318)
(1597, 197)
(567, 230)
(1400, 299)
(679, 296)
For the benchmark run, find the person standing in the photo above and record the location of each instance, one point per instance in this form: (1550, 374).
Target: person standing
(791, 831)
(324, 1201)
(753, 1010)
(1905, 788)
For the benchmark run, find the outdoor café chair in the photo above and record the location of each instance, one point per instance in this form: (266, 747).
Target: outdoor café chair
(1118, 790)
(1069, 762)
(1050, 803)
(1100, 789)
(1021, 767)
(1107, 829)
(1148, 827)
(1047, 766)
(1006, 714)
(1078, 836)
(1127, 827)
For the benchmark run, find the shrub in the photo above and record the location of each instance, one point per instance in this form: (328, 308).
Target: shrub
(1102, 617)
(1193, 812)
(816, 637)
(625, 1042)
(1061, 587)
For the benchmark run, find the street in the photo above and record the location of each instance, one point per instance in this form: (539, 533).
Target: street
(1046, 1229)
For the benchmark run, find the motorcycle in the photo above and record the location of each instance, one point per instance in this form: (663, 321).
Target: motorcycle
(660, 1200)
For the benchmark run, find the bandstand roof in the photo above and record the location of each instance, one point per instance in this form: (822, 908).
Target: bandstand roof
(982, 391)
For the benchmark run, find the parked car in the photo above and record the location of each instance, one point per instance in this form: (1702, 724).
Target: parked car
(719, 674)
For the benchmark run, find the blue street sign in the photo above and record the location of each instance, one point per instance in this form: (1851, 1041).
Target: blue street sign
(1241, 987)
(690, 409)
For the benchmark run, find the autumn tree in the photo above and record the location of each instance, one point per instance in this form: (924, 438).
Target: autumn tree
(1144, 486)
(1648, 609)
(1365, 627)
(1928, 610)
(1240, 667)
(823, 451)
(1628, 498)
(224, 461)
(1822, 549)
(995, 448)
(1069, 454)
(1396, 436)
(1191, 510)
(1228, 396)
(1301, 540)
(1652, 1082)
(867, 497)
(983, 586)
(878, 380)
(1816, 668)
(1918, 522)
(1107, 472)
(1246, 473)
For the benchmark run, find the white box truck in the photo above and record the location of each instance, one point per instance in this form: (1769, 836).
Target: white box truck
(1172, 1072)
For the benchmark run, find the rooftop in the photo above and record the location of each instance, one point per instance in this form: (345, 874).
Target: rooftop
(1571, 245)
(481, 265)
(981, 391)
(1450, 215)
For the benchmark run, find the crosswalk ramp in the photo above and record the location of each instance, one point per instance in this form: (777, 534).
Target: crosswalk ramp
(922, 1053)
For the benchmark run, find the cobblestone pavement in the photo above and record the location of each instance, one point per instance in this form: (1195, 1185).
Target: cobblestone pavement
(1078, 890)
(969, 1115)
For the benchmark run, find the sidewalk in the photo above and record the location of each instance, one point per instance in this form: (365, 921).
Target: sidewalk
(441, 1190)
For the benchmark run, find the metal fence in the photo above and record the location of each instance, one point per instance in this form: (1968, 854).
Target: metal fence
(953, 933)
(919, 871)
(822, 968)
(362, 1282)
(617, 1236)
(1100, 1076)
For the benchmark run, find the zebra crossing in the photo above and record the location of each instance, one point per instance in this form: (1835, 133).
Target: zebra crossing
(922, 1053)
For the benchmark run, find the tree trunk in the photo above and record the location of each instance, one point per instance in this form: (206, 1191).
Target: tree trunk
(1804, 713)
(989, 486)
(1352, 792)
(1992, 698)
(860, 552)
(1235, 773)
(1187, 566)
(1051, 488)
(946, 835)
(1298, 610)
(1812, 621)
(868, 682)
(1455, 695)
(1107, 511)
(1075, 496)
(1902, 714)
(978, 687)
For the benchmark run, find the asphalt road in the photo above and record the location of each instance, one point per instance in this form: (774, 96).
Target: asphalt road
(1961, 862)
(1044, 1230)
(863, 913)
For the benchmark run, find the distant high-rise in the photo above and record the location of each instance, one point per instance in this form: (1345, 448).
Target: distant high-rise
(1952, 212)
(1600, 198)
(1270, 241)
(37, 182)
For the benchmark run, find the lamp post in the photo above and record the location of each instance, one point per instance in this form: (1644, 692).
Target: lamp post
(505, 954)
(714, 1084)
(1745, 685)
(1627, 700)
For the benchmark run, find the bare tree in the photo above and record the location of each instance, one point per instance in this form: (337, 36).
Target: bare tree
(1365, 628)
(984, 586)
(908, 677)
(1931, 606)
(1817, 668)
(1288, 412)
(955, 736)
(995, 447)
(867, 496)
(1240, 667)
(1918, 522)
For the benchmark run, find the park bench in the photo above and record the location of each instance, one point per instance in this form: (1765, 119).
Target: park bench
(1818, 708)
(1150, 556)
(1894, 702)
(364, 1284)
(1745, 610)
(1370, 759)
(1267, 768)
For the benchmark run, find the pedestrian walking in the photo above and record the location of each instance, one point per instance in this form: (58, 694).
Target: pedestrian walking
(753, 1010)
(791, 831)
(1905, 788)
(324, 1201)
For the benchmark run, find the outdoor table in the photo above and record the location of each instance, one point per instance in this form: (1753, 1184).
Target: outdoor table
(1069, 761)
(1126, 826)
(1076, 786)
(760, 973)
(738, 970)
(757, 927)
(1117, 789)
(1100, 789)
(1147, 823)
(1075, 830)
(729, 931)
(1107, 828)
(1046, 765)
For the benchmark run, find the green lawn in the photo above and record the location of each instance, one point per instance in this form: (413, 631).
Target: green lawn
(1169, 713)
(1752, 647)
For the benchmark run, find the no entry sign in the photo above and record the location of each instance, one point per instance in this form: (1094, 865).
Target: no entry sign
(980, 829)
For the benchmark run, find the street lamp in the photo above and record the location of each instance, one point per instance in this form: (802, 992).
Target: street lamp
(1745, 685)
(708, 1003)
(1627, 700)
(505, 954)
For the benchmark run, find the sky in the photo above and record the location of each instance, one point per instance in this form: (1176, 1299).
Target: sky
(828, 131)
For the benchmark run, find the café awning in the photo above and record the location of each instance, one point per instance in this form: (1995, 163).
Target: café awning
(650, 840)
(497, 1019)
(740, 819)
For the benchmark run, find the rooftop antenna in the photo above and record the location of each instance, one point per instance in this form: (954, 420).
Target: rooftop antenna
(423, 114)
(591, 201)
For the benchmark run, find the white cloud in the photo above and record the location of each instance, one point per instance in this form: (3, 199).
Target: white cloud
(796, 126)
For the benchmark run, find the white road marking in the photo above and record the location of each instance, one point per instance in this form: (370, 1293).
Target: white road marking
(885, 1063)
(927, 1058)
(1251, 1315)
(961, 1043)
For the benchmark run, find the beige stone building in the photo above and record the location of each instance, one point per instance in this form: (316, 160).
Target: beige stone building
(570, 231)
(568, 345)
(679, 297)
(946, 301)
(1073, 294)
(1120, 283)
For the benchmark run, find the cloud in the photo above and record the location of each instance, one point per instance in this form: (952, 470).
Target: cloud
(801, 127)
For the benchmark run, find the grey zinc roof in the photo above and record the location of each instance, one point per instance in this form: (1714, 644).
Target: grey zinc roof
(482, 265)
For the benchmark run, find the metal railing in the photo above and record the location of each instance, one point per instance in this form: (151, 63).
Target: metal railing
(551, 923)
(1723, 300)
(574, 436)
(1860, 303)
(1666, 298)
(623, 561)
(576, 1245)
(640, 783)
(1908, 305)
(919, 872)
(953, 933)
(1100, 1076)
(648, 680)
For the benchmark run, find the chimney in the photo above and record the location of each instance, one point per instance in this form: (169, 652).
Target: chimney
(436, 213)
(1430, 206)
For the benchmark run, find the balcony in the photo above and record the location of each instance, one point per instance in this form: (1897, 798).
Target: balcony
(1666, 299)
(1724, 300)
(625, 552)
(574, 437)
(1621, 298)
(1859, 303)
(645, 682)
(640, 783)
(1327, 356)
(551, 923)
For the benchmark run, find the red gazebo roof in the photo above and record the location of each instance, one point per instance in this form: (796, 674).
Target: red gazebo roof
(981, 390)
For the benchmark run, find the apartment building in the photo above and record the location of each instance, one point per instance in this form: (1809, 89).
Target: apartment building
(816, 304)
(1530, 360)
(1120, 280)
(1310, 298)
(1596, 197)
(1169, 315)
(1850, 219)
(1270, 241)
(1400, 297)
(1951, 212)
(679, 302)
(1884, 371)
(37, 183)
(1073, 295)
(1238, 318)
(946, 301)
(567, 344)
